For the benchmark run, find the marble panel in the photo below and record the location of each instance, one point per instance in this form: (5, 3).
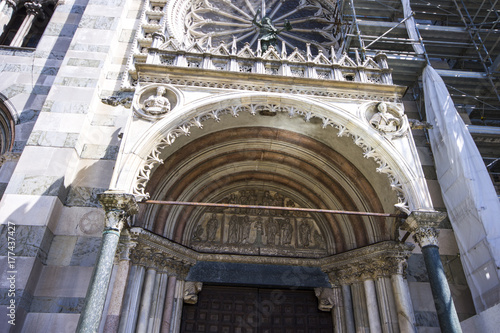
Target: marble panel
(63, 281)
(426, 318)
(24, 265)
(80, 221)
(94, 173)
(83, 196)
(421, 296)
(85, 251)
(29, 210)
(30, 241)
(51, 322)
(61, 250)
(105, 152)
(43, 304)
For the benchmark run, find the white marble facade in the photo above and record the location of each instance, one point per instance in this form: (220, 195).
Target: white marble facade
(96, 107)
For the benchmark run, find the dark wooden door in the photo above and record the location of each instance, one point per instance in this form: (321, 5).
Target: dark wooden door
(254, 310)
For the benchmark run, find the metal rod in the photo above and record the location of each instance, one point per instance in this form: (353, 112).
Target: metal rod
(388, 31)
(312, 210)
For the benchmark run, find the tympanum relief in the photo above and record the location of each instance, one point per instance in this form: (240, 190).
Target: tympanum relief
(258, 231)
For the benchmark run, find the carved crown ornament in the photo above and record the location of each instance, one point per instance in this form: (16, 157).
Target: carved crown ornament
(369, 151)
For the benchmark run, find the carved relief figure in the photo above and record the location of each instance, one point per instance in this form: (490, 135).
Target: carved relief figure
(233, 229)
(157, 104)
(384, 120)
(304, 233)
(319, 240)
(212, 226)
(198, 233)
(247, 224)
(271, 231)
(287, 230)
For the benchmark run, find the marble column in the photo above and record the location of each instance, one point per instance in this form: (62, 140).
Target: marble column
(386, 304)
(118, 207)
(361, 319)
(348, 309)
(146, 300)
(32, 10)
(6, 10)
(131, 299)
(372, 306)
(122, 262)
(175, 325)
(338, 310)
(169, 305)
(426, 237)
(423, 226)
(404, 307)
(158, 302)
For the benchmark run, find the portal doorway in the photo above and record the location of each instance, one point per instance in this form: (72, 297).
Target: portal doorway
(255, 310)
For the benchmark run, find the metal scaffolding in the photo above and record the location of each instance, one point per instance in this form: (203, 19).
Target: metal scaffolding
(461, 39)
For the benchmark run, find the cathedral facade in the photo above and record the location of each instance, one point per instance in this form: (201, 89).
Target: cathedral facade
(226, 166)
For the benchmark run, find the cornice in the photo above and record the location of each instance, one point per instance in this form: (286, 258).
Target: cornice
(380, 259)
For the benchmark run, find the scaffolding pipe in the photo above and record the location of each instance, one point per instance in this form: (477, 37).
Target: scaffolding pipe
(385, 33)
(295, 209)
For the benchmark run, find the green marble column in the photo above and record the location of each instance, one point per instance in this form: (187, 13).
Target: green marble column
(118, 207)
(423, 225)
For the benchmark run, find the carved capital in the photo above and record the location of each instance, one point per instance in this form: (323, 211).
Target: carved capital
(118, 206)
(33, 8)
(191, 290)
(371, 262)
(425, 236)
(423, 218)
(151, 257)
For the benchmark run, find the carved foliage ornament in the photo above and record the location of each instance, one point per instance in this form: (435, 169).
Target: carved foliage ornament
(153, 159)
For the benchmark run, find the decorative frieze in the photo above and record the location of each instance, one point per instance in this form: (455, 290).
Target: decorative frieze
(378, 260)
(263, 231)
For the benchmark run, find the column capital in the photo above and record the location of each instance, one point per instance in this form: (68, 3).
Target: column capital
(370, 262)
(423, 218)
(425, 236)
(118, 206)
(33, 8)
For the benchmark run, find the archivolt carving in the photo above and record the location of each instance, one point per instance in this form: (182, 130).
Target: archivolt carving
(264, 109)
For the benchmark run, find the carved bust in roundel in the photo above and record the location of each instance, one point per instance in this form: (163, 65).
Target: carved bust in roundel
(386, 118)
(154, 101)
